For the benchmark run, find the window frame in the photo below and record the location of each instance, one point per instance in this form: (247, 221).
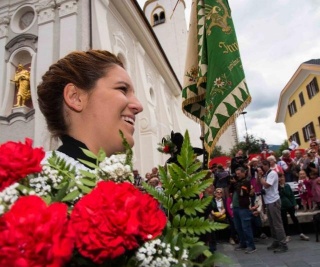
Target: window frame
(292, 108)
(307, 131)
(301, 98)
(312, 88)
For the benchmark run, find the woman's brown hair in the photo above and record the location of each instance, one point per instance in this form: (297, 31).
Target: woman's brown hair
(83, 69)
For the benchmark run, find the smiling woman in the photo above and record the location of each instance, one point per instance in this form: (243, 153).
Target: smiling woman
(86, 98)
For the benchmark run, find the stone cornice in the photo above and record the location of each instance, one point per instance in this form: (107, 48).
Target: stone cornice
(67, 7)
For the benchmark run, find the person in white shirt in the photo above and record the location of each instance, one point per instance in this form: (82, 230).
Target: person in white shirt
(293, 145)
(269, 180)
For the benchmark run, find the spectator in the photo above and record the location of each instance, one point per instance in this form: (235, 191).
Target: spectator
(313, 138)
(253, 174)
(289, 205)
(315, 146)
(229, 211)
(288, 166)
(154, 172)
(228, 166)
(241, 190)
(293, 145)
(270, 182)
(315, 181)
(238, 161)
(148, 177)
(137, 178)
(264, 148)
(273, 164)
(305, 190)
(257, 209)
(298, 164)
(221, 180)
(312, 162)
(155, 182)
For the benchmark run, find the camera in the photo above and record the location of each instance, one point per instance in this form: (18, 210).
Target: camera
(261, 193)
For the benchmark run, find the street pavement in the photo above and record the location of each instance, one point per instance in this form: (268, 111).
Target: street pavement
(300, 253)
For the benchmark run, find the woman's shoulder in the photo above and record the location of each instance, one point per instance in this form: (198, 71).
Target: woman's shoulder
(69, 160)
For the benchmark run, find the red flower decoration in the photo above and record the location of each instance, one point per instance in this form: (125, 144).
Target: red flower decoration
(166, 149)
(17, 160)
(32, 234)
(114, 218)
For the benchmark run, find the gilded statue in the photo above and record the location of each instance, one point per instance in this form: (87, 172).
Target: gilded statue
(22, 81)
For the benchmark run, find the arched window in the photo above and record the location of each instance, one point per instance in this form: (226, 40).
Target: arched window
(162, 17)
(158, 16)
(155, 19)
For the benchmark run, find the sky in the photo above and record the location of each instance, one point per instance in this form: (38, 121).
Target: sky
(275, 38)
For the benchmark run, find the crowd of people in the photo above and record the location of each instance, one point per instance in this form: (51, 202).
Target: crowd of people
(256, 191)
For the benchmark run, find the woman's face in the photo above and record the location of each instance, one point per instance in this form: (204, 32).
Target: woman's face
(110, 106)
(302, 175)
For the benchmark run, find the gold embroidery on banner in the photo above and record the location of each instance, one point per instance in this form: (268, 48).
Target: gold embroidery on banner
(212, 14)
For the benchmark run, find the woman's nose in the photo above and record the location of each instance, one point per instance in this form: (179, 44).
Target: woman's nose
(136, 105)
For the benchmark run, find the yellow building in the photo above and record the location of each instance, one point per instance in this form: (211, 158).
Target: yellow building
(299, 103)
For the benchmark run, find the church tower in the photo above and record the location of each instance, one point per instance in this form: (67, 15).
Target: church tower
(168, 20)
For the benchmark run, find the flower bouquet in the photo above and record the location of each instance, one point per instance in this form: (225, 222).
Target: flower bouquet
(55, 213)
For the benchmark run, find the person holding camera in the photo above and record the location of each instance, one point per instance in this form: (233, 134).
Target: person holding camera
(239, 160)
(269, 180)
(240, 188)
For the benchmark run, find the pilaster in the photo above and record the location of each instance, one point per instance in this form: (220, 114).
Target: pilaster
(4, 24)
(46, 10)
(68, 13)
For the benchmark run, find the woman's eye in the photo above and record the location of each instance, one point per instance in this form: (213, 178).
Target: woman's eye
(123, 89)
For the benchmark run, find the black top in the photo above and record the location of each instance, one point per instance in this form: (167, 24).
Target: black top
(72, 148)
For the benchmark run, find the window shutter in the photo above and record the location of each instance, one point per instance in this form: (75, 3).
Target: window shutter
(312, 128)
(308, 91)
(316, 85)
(294, 106)
(304, 134)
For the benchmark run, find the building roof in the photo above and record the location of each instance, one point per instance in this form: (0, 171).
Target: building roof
(313, 61)
(305, 69)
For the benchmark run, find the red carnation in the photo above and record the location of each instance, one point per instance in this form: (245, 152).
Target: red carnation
(17, 160)
(114, 218)
(32, 234)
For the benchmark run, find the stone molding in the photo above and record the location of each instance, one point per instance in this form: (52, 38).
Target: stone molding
(67, 7)
(46, 11)
(4, 25)
(22, 40)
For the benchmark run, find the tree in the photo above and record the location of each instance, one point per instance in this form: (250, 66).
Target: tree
(282, 147)
(250, 145)
(217, 152)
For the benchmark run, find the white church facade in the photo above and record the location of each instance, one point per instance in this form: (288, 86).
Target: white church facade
(36, 33)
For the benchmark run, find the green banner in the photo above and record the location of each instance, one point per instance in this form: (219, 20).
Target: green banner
(215, 91)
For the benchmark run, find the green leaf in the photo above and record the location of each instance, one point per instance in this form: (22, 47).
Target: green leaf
(88, 174)
(71, 196)
(196, 251)
(61, 193)
(84, 189)
(88, 163)
(176, 221)
(88, 182)
(88, 153)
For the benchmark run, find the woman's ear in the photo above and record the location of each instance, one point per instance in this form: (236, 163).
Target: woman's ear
(74, 97)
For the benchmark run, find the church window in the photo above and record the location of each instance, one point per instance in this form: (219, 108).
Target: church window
(158, 16)
(155, 19)
(162, 17)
